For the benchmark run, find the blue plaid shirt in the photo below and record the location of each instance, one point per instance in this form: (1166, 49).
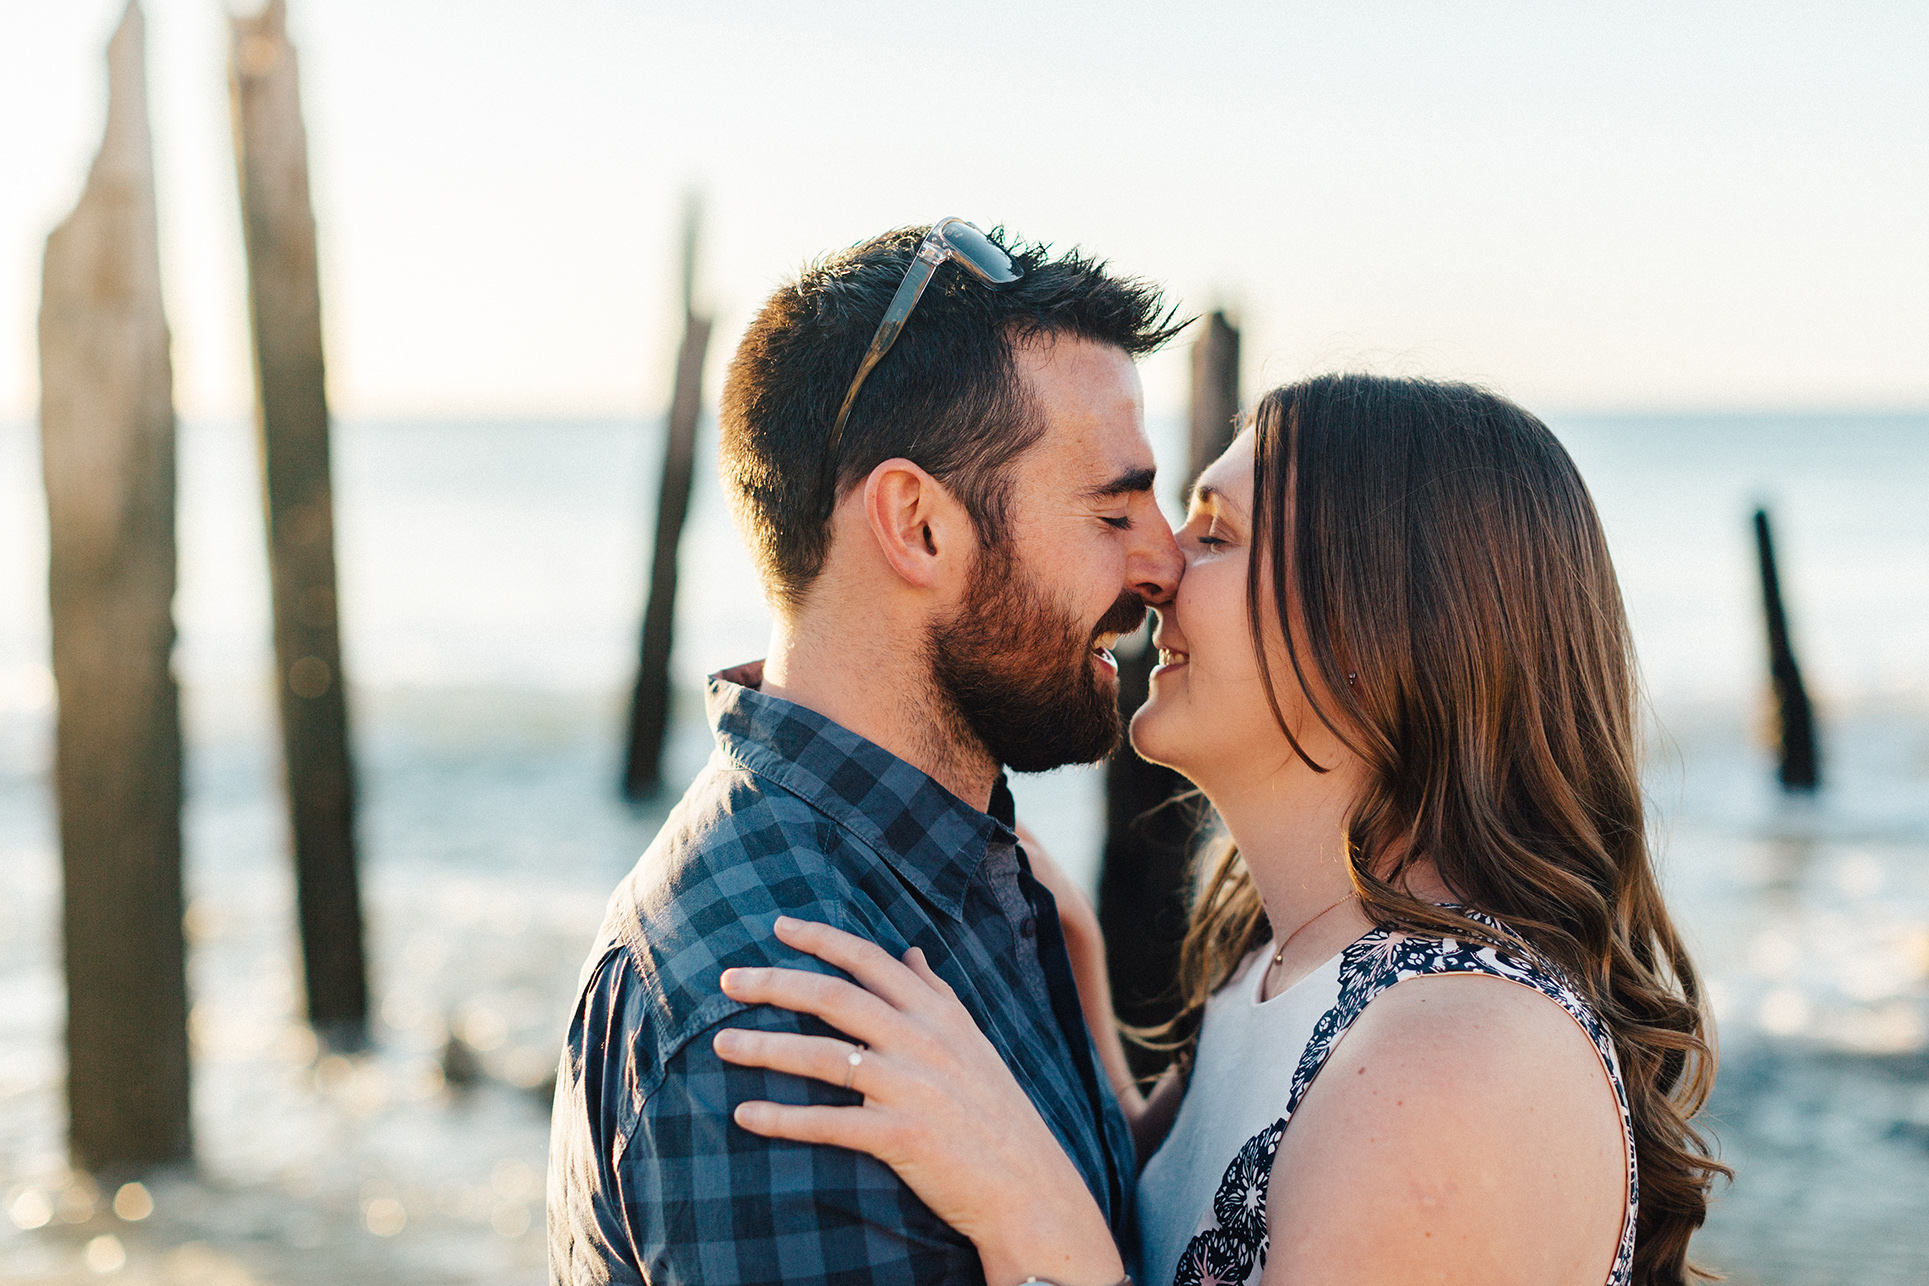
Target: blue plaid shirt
(649, 1179)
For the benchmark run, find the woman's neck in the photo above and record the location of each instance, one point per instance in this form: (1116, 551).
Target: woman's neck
(1290, 827)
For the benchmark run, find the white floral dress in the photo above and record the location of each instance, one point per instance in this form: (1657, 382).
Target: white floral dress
(1226, 1244)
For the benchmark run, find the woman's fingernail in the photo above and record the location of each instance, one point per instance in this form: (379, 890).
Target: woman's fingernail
(727, 1041)
(785, 922)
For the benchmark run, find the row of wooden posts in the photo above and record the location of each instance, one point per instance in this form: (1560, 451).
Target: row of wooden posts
(108, 426)
(107, 436)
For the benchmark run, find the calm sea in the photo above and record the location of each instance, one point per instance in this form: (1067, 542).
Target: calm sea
(491, 588)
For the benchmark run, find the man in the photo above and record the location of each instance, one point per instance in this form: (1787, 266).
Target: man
(949, 498)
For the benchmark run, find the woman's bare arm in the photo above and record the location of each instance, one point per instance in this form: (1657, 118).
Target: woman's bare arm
(1155, 1117)
(1462, 1131)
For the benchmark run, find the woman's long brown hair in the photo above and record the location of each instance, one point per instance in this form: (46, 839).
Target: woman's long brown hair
(1442, 549)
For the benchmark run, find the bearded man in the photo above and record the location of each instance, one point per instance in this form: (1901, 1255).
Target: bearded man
(934, 445)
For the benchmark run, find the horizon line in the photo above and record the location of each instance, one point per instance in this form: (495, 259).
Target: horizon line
(612, 415)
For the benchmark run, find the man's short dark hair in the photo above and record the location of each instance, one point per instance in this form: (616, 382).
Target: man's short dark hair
(947, 396)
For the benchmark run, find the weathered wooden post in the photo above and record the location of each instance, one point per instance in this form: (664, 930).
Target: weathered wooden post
(1144, 873)
(1795, 721)
(1215, 393)
(650, 702)
(107, 445)
(284, 297)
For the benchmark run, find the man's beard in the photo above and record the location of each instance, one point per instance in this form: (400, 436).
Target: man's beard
(1018, 674)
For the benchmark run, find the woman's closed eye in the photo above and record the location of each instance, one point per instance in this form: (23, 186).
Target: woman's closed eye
(1209, 533)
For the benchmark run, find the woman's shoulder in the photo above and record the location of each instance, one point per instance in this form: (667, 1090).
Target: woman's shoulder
(1386, 956)
(1470, 1006)
(1489, 1034)
(1458, 1103)
(1475, 1023)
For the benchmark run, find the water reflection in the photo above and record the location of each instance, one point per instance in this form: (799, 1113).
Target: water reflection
(1814, 934)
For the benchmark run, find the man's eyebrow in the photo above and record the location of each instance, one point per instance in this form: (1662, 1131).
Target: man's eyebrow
(1127, 483)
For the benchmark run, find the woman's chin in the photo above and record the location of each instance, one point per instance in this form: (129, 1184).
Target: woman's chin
(1151, 734)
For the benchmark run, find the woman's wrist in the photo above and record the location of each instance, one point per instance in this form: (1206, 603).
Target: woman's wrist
(1063, 1247)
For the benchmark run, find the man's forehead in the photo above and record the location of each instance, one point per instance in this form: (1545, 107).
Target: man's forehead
(1090, 399)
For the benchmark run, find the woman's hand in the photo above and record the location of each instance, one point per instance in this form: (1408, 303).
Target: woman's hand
(940, 1107)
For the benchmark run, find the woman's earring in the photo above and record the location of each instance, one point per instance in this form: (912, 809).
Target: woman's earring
(1350, 681)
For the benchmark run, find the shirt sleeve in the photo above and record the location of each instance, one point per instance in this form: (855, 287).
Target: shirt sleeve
(685, 1195)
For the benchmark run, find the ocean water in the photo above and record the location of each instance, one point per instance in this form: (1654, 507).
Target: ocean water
(491, 578)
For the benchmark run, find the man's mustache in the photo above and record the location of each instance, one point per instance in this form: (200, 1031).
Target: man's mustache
(1123, 617)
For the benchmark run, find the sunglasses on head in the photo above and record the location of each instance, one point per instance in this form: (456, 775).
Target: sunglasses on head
(949, 241)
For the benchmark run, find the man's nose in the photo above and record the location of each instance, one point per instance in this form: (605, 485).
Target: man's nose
(1156, 563)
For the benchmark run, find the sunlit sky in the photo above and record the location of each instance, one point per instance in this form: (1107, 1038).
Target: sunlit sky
(1607, 206)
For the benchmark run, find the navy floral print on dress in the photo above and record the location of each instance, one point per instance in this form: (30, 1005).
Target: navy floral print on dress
(1217, 1258)
(1240, 1203)
(1233, 1248)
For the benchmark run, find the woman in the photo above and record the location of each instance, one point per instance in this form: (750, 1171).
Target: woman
(1399, 669)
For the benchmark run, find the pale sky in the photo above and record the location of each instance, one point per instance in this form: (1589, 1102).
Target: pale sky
(1626, 206)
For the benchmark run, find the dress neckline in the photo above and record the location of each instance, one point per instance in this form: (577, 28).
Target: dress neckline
(1255, 987)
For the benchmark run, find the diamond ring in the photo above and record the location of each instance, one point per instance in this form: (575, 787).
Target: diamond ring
(856, 1061)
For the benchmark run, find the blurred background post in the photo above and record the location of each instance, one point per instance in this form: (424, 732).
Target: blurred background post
(650, 703)
(107, 447)
(1794, 719)
(284, 296)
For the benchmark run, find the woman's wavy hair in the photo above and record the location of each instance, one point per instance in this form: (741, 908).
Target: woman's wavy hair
(1443, 550)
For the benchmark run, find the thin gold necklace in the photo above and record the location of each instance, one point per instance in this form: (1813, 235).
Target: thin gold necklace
(1279, 956)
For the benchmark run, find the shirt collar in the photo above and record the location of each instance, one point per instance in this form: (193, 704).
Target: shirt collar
(931, 838)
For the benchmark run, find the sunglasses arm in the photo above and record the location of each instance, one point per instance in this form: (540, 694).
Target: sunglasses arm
(909, 292)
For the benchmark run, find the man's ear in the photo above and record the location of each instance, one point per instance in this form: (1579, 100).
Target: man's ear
(921, 529)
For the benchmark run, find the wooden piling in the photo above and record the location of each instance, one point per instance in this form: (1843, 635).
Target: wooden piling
(1145, 873)
(284, 296)
(1795, 720)
(651, 698)
(1215, 393)
(107, 442)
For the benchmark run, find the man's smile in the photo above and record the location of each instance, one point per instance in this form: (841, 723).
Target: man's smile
(1125, 615)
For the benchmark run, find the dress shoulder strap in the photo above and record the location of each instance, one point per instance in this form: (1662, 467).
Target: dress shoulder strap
(1234, 1251)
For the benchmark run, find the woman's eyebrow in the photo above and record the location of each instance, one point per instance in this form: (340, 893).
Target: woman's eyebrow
(1202, 494)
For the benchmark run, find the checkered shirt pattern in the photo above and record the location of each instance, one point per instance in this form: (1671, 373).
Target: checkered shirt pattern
(650, 1180)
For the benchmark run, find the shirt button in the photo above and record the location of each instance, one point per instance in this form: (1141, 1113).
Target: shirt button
(1029, 928)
